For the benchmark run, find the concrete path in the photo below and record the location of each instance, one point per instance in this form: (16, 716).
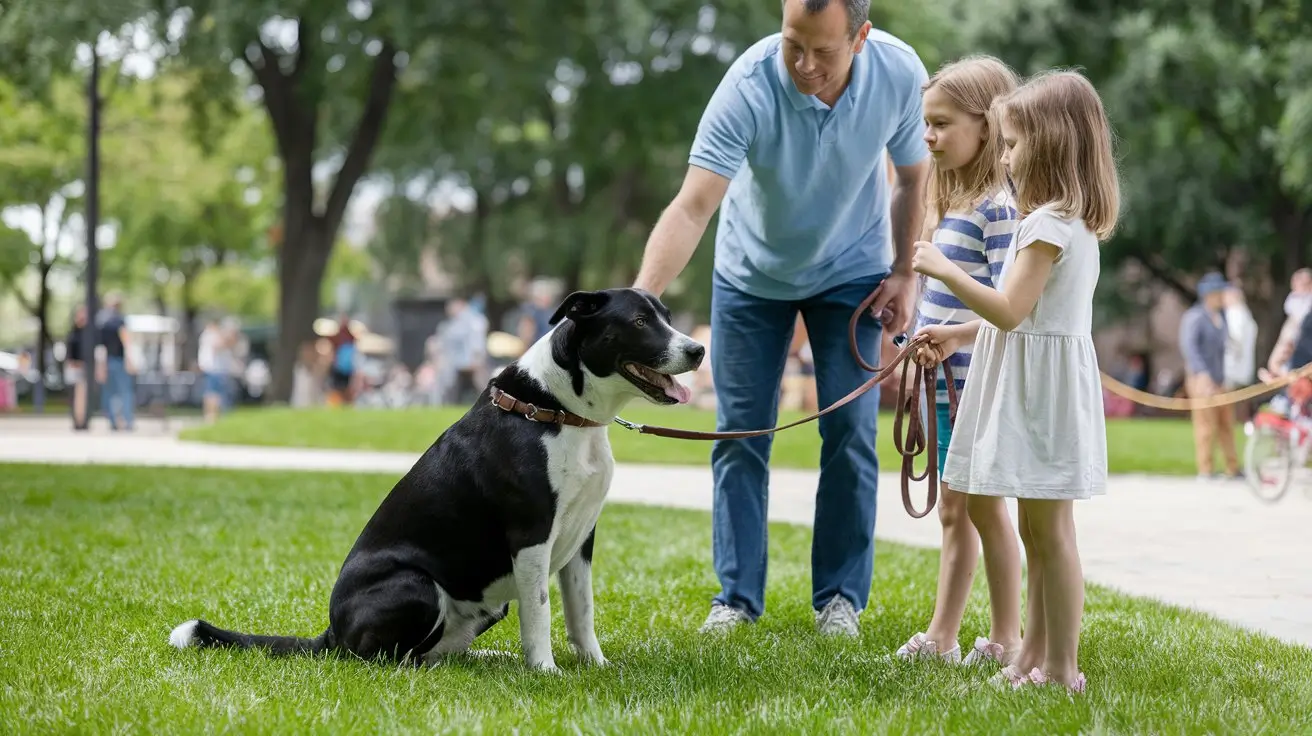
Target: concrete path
(1208, 546)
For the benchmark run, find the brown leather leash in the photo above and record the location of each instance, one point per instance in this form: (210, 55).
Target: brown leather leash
(913, 442)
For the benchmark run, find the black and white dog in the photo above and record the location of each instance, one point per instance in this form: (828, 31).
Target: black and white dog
(500, 502)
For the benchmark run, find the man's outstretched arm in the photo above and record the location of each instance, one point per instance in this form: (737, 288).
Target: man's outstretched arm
(719, 150)
(680, 229)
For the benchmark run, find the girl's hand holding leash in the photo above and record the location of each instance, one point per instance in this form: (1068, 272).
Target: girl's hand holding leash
(944, 340)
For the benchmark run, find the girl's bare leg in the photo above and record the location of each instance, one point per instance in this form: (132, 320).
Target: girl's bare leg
(1052, 524)
(956, 568)
(1035, 642)
(989, 515)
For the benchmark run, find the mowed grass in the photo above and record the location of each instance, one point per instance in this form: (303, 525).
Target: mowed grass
(98, 564)
(1161, 446)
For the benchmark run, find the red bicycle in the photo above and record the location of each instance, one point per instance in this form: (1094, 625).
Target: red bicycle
(1279, 442)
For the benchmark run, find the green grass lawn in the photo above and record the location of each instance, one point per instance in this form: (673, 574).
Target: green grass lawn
(1160, 446)
(98, 564)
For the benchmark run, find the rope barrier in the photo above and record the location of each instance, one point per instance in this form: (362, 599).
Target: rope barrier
(1171, 403)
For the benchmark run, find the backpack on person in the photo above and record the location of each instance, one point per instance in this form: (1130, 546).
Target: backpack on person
(344, 360)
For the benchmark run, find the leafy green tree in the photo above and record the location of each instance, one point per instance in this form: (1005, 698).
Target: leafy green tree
(40, 157)
(327, 75)
(404, 229)
(1212, 107)
(571, 165)
(185, 205)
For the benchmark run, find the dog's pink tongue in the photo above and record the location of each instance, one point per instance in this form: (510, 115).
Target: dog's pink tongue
(678, 392)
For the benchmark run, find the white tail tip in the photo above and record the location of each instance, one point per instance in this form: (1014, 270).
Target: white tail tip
(184, 635)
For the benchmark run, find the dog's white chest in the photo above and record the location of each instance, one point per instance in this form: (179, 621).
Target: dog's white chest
(580, 466)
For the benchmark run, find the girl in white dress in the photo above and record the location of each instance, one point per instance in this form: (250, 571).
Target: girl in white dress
(1030, 424)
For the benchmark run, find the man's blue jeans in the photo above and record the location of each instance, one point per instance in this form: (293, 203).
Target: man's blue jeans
(749, 346)
(118, 387)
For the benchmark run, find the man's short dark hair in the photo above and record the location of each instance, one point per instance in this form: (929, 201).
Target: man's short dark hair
(858, 12)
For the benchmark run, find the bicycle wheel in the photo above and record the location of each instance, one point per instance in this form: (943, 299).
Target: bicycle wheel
(1269, 462)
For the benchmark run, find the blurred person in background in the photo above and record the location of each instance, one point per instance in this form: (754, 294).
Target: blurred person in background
(536, 313)
(462, 350)
(1297, 305)
(214, 358)
(1240, 349)
(1203, 338)
(75, 367)
(115, 373)
(310, 372)
(344, 362)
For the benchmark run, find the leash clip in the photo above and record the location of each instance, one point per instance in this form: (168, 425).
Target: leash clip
(627, 424)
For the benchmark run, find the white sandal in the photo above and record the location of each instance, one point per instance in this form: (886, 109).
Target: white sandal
(921, 647)
(984, 651)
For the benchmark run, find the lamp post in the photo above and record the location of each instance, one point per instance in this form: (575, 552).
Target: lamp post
(92, 216)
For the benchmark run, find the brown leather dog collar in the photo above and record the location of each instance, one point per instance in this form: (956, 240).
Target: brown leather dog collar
(534, 413)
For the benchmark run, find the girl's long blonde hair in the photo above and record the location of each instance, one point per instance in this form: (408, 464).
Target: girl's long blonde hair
(1068, 161)
(972, 84)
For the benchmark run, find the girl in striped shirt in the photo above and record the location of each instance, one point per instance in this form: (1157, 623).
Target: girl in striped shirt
(975, 224)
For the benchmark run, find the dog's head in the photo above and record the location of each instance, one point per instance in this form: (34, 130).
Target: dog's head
(623, 338)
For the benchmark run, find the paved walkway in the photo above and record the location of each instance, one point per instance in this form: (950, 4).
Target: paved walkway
(1208, 546)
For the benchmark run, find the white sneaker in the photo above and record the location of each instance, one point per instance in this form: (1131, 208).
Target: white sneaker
(922, 647)
(723, 618)
(837, 617)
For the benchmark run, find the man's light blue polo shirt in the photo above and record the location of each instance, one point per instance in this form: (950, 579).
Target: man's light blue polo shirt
(807, 207)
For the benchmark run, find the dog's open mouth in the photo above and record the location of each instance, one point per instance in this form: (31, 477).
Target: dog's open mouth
(659, 386)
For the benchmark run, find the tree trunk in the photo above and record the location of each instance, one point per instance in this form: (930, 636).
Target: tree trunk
(302, 262)
(43, 334)
(480, 278)
(293, 104)
(189, 349)
(496, 312)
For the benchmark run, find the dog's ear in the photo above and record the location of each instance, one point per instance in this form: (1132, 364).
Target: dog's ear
(580, 305)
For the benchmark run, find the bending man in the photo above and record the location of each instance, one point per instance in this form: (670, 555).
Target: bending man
(792, 151)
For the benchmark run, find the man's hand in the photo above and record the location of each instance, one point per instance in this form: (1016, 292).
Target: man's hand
(895, 302)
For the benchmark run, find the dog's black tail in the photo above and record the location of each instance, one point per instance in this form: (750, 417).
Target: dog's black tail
(204, 635)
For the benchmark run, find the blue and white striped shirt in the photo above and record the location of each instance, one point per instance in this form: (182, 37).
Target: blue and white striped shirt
(977, 241)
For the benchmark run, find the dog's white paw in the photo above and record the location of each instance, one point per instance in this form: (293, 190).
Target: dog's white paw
(593, 658)
(547, 667)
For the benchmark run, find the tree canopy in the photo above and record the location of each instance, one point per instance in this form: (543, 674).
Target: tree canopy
(523, 139)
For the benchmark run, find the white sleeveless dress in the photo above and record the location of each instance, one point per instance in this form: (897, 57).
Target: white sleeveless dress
(1030, 422)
